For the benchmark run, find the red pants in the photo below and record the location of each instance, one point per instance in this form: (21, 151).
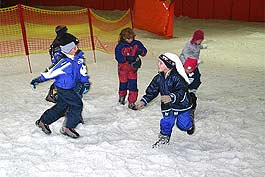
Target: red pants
(128, 81)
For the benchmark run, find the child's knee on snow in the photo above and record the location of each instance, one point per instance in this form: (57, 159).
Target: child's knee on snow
(184, 121)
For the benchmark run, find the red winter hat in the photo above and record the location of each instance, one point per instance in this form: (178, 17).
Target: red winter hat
(197, 35)
(190, 64)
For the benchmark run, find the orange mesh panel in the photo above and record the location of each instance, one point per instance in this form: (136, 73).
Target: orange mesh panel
(106, 32)
(11, 42)
(40, 25)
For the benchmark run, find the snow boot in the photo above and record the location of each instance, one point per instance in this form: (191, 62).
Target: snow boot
(69, 132)
(122, 100)
(191, 130)
(162, 140)
(132, 106)
(44, 127)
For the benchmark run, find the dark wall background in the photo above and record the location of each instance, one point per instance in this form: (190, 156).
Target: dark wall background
(246, 10)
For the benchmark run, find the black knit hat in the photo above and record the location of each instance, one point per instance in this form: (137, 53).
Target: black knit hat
(68, 38)
(60, 30)
(167, 61)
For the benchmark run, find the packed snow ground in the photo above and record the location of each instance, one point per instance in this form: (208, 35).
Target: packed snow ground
(116, 142)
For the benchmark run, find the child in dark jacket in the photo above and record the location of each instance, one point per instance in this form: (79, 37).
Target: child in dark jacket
(190, 66)
(172, 84)
(60, 30)
(67, 73)
(127, 54)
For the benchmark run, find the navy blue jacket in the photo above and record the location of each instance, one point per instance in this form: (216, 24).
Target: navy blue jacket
(121, 56)
(174, 86)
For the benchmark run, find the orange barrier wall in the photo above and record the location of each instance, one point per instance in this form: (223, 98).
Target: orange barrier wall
(155, 16)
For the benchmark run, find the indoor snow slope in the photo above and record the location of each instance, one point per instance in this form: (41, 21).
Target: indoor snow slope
(117, 142)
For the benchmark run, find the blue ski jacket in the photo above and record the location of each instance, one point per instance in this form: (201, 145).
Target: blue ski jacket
(67, 72)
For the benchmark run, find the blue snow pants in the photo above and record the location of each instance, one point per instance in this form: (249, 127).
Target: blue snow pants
(67, 99)
(184, 122)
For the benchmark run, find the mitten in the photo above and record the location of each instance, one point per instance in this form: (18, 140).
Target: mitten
(204, 46)
(85, 88)
(166, 99)
(140, 105)
(137, 63)
(35, 82)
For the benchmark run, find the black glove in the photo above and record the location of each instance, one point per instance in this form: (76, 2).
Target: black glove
(137, 63)
(35, 82)
(85, 88)
(131, 59)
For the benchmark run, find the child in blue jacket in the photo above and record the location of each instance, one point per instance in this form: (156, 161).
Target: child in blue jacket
(56, 55)
(172, 84)
(67, 73)
(127, 54)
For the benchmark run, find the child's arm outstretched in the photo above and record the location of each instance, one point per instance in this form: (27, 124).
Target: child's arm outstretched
(151, 92)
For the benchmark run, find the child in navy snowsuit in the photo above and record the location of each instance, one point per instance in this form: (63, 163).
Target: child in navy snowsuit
(127, 54)
(193, 74)
(67, 73)
(172, 84)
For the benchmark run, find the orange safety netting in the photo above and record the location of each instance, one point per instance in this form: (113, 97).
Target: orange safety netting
(11, 41)
(40, 24)
(106, 32)
(28, 30)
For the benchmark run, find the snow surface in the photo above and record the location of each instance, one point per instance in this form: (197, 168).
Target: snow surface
(116, 142)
